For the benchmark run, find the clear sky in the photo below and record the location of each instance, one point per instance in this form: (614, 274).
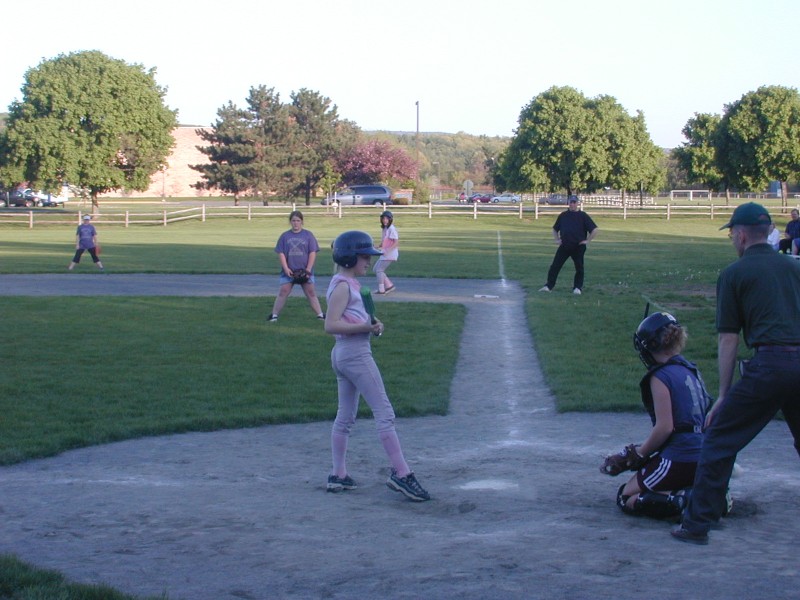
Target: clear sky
(472, 64)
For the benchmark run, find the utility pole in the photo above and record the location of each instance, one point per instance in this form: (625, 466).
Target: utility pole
(416, 140)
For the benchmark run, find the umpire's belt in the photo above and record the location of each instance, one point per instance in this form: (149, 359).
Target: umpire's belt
(767, 348)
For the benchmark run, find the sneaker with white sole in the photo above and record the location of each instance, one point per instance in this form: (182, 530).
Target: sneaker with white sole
(408, 486)
(272, 318)
(544, 289)
(576, 291)
(337, 484)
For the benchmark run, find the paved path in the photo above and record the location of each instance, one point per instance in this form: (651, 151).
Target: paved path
(519, 511)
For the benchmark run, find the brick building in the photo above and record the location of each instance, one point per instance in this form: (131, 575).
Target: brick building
(177, 179)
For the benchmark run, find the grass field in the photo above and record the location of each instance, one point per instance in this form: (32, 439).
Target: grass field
(81, 371)
(96, 370)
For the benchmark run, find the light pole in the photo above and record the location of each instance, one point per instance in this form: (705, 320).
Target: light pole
(416, 140)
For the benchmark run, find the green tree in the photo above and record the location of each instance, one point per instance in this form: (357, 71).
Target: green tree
(249, 149)
(634, 161)
(698, 155)
(759, 139)
(230, 152)
(315, 139)
(90, 121)
(559, 136)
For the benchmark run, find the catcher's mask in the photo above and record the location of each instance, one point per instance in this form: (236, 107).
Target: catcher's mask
(349, 245)
(388, 214)
(649, 336)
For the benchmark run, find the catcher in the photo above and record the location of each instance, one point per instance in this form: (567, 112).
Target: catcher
(675, 397)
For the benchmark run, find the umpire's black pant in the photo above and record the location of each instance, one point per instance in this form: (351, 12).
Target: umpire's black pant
(770, 383)
(562, 254)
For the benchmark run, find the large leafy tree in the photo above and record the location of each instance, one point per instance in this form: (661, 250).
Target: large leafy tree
(567, 141)
(698, 155)
(759, 139)
(90, 121)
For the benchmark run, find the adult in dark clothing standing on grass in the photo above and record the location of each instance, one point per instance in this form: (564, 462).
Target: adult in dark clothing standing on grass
(572, 231)
(758, 295)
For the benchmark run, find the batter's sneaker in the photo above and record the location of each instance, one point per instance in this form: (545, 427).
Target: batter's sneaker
(337, 484)
(409, 486)
(576, 291)
(544, 289)
(272, 318)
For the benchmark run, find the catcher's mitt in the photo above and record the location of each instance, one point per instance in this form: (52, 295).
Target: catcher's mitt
(626, 460)
(300, 276)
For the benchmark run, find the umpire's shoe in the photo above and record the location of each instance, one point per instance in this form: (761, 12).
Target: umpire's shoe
(684, 535)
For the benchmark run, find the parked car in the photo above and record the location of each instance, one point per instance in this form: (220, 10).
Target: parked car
(482, 198)
(362, 194)
(556, 199)
(507, 197)
(49, 199)
(20, 197)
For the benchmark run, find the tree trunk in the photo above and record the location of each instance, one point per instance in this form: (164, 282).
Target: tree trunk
(784, 194)
(727, 196)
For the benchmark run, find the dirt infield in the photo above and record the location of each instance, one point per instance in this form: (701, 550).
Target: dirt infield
(519, 507)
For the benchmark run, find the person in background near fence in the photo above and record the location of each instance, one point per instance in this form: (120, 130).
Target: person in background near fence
(758, 295)
(356, 372)
(297, 251)
(774, 237)
(791, 233)
(572, 231)
(86, 241)
(389, 242)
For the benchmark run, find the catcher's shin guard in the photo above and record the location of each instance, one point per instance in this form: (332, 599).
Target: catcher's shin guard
(660, 506)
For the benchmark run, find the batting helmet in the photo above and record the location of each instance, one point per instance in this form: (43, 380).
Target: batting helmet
(387, 213)
(349, 245)
(649, 336)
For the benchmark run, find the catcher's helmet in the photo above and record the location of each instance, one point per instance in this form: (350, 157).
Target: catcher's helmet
(649, 336)
(387, 213)
(349, 245)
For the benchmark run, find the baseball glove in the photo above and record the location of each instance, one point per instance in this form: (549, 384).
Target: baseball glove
(300, 276)
(626, 460)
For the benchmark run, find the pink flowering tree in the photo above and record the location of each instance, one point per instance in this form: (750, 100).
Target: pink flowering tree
(373, 160)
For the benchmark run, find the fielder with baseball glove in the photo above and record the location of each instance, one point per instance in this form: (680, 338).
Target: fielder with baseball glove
(675, 397)
(297, 251)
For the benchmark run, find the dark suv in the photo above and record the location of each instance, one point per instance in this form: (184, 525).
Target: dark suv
(372, 193)
(18, 197)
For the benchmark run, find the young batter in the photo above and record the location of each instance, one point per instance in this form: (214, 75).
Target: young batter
(356, 372)
(389, 242)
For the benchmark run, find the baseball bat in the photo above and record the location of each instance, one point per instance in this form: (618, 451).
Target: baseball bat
(369, 304)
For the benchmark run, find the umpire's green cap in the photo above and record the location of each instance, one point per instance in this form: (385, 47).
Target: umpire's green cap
(751, 213)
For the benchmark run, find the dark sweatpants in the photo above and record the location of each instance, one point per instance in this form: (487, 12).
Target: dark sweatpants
(770, 383)
(562, 254)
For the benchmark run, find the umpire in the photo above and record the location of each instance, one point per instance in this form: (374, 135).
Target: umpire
(758, 295)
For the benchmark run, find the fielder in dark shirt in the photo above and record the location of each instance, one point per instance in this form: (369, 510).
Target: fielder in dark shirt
(572, 231)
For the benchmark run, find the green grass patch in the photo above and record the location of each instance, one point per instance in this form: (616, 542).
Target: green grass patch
(20, 581)
(103, 369)
(583, 342)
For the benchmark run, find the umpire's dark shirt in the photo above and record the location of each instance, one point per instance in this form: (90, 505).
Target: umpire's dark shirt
(573, 226)
(760, 295)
